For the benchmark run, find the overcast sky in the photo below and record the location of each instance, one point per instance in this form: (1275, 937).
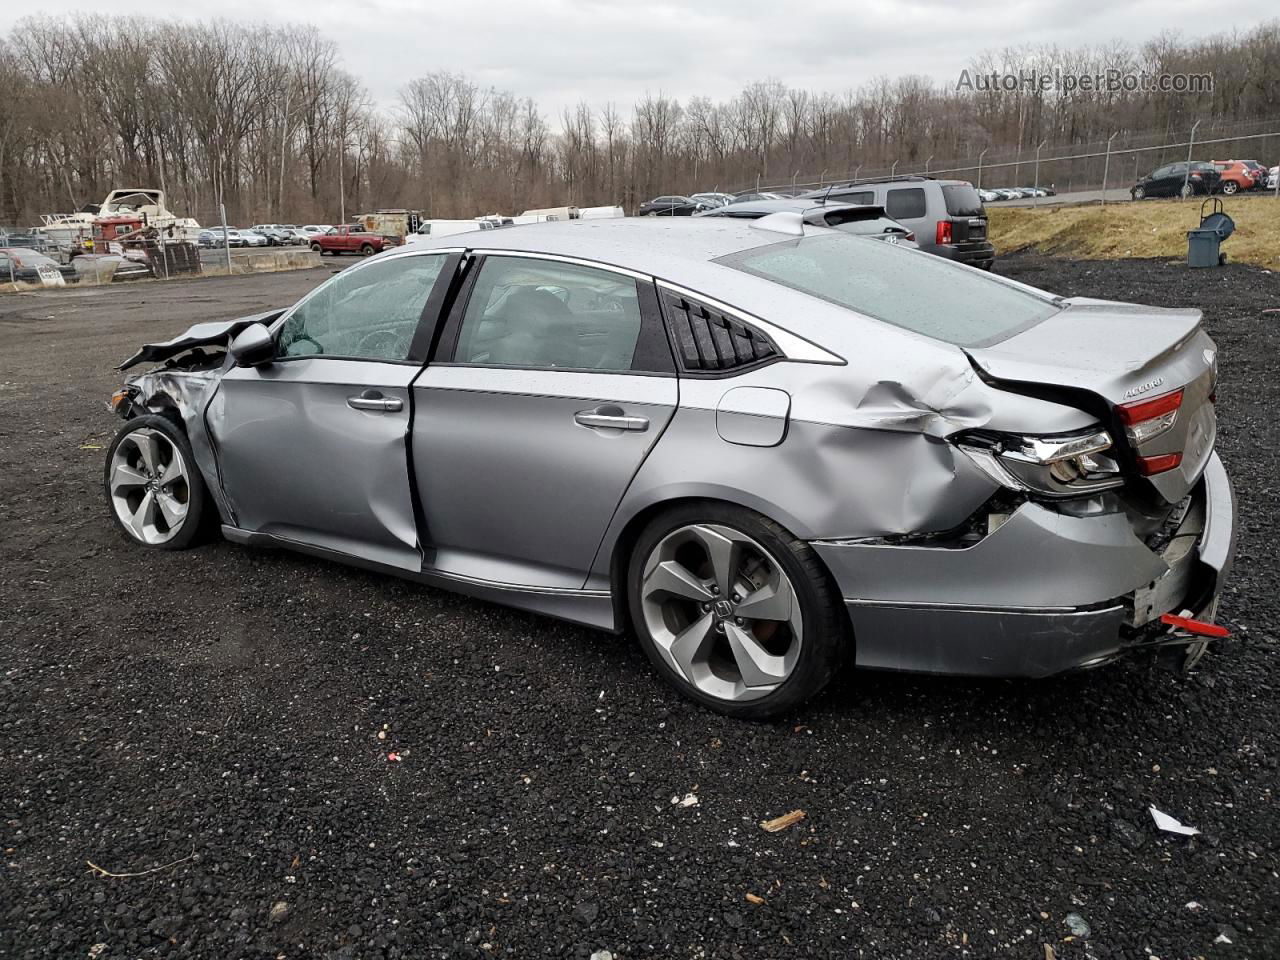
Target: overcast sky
(561, 51)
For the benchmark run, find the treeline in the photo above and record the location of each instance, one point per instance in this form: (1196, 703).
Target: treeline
(268, 120)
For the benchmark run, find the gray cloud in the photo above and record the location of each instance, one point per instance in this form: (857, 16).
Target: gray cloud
(562, 51)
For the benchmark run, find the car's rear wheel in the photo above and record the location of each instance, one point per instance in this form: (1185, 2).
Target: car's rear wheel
(1186, 190)
(316, 248)
(154, 489)
(734, 611)
(366, 249)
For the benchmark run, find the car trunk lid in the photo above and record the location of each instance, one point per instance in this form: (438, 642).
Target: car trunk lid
(1125, 356)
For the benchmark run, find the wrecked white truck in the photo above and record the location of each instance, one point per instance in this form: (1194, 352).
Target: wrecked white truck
(762, 447)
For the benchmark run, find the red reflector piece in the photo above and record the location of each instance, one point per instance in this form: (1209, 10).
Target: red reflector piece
(1198, 627)
(1149, 466)
(1131, 413)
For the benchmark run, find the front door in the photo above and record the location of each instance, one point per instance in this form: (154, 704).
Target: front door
(555, 380)
(312, 447)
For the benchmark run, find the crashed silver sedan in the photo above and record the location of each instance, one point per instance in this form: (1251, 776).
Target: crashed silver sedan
(763, 448)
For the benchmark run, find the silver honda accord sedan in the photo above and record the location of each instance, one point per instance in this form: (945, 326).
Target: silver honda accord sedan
(761, 447)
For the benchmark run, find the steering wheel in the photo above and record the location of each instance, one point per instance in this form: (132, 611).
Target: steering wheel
(386, 344)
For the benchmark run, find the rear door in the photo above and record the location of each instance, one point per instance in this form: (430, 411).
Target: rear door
(554, 378)
(312, 447)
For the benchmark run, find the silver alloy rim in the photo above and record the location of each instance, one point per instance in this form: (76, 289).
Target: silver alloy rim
(149, 486)
(721, 611)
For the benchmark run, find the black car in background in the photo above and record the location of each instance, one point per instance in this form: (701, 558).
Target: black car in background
(1177, 180)
(672, 206)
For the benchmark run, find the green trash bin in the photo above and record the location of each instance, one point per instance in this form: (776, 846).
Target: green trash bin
(1203, 247)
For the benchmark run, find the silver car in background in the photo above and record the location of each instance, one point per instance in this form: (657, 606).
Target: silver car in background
(764, 447)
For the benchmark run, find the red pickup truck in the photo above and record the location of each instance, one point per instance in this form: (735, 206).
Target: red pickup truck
(352, 238)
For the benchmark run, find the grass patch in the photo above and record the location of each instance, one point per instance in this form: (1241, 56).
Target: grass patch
(1152, 228)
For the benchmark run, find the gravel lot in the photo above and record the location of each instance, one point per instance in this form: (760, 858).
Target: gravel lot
(218, 721)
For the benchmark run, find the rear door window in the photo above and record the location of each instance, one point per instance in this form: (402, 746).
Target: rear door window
(927, 295)
(544, 314)
(962, 200)
(905, 203)
(863, 196)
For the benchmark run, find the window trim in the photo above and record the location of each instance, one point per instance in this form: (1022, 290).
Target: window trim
(791, 346)
(446, 350)
(424, 318)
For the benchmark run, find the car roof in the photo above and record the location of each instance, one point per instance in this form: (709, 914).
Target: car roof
(682, 251)
(789, 205)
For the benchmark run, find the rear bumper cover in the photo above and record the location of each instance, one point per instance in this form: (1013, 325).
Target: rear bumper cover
(973, 253)
(1042, 594)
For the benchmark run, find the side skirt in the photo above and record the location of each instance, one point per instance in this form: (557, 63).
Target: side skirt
(588, 608)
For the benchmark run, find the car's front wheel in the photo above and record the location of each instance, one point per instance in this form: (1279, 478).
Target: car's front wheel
(734, 611)
(154, 489)
(1230, 187)
(1138, 193)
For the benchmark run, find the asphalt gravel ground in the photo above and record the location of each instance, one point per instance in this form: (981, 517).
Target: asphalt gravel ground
(213, 728)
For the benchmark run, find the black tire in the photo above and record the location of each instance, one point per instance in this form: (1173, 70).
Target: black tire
(366, 249)
(1186, 190)
(197, 496)
(316, 248)
(827, 634)
(1230, 187)
(1138, 193)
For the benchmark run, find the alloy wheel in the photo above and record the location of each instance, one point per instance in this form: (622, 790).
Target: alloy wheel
(149, 486)
(721, 611)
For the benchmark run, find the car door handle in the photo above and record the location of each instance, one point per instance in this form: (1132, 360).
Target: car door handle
(600, 420)
(373, 400)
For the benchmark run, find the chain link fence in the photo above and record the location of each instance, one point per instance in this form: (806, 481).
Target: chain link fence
(1112, 164)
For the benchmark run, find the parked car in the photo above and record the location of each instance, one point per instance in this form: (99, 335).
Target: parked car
(870, 455)
(862, 221)
(312, 229)
(213, 237)
(351, 238)
(989, 196)
(1235, 176)
(741, 197)
(25, 265)
(1008, 193)
(277, 236)
(1259, 172)
(715, 199)
(672, 206)
(1177, 179)
(253, 239)
(1272, 176)
(946, 216)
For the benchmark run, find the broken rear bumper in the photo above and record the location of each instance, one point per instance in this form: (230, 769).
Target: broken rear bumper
(1043, 593)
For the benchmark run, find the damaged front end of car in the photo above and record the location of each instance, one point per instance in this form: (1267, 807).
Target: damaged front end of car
(185, 375)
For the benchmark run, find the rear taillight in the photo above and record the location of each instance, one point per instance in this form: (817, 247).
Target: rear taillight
(944, 233)
(911, 237)
(1147, 419)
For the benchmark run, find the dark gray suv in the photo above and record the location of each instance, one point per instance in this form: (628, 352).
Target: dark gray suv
(946, 216)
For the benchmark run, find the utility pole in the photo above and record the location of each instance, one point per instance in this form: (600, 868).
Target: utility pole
(980, 156)
(1186, 177)
(1035, 195)
(1106, 164)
